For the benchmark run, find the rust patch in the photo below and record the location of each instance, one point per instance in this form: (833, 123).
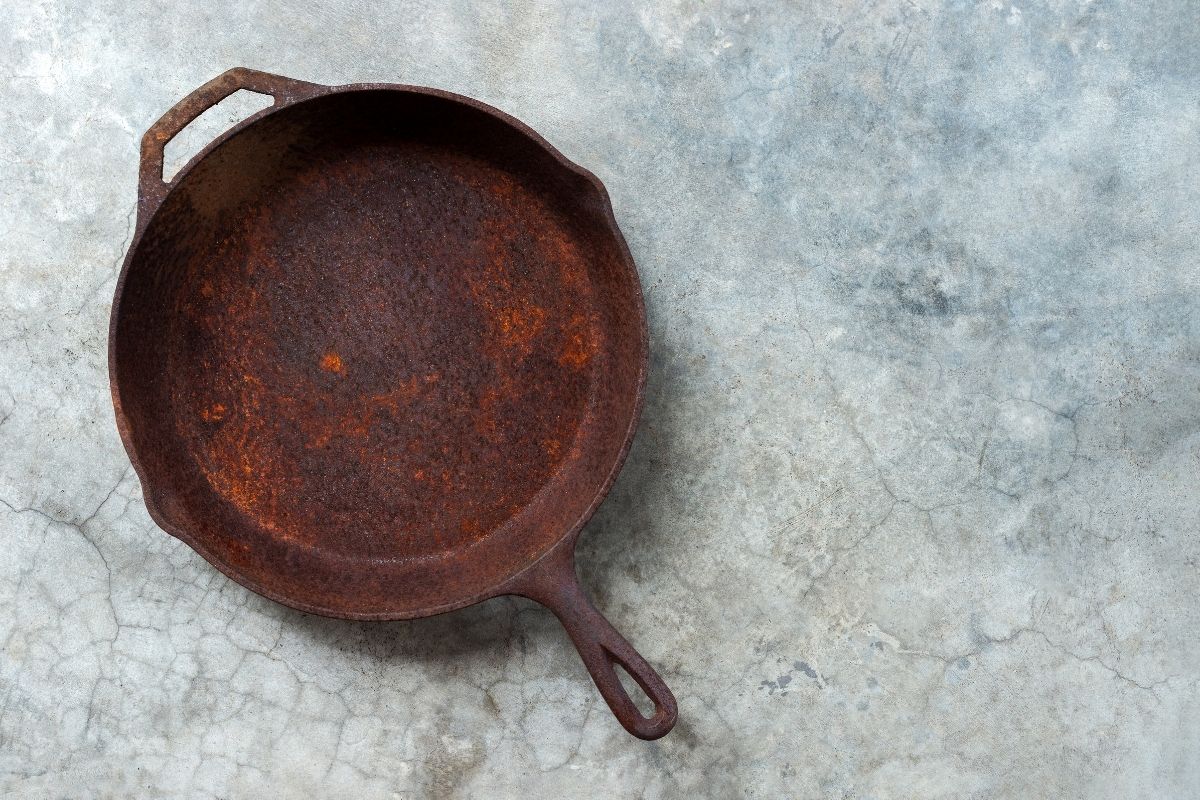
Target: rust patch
(213, 413)
(580, 344)
(332, 362)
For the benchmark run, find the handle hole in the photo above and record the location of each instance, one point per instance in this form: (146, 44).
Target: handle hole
(644, 704)
(208, 126)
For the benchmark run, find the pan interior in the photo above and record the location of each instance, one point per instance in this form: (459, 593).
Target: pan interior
(377, 329)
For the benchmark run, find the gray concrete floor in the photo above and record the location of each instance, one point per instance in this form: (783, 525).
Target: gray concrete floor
(913, 507)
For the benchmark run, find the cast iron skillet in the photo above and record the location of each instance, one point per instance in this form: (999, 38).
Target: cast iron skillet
(378, 352)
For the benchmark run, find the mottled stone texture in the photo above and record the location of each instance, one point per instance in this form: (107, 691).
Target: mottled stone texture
(913, 508)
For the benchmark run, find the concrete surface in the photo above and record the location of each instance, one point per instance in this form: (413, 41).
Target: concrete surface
(913, 508)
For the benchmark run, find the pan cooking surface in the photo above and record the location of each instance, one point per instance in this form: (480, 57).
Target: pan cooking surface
(355, 369)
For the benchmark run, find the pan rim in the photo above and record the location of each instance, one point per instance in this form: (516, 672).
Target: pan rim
(504, 585)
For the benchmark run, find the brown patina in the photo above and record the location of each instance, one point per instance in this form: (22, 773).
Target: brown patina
(378, 352)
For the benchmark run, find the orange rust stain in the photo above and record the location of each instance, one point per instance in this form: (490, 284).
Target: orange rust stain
(419, 474)
(332, 362)
(513, 319)
(214, 413)
(579, 347)
(520, 324)
(576, 352)
(552, 447)
(243, 495)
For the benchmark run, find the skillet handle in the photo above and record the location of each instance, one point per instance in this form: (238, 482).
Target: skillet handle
(553, 583)
(151, 186)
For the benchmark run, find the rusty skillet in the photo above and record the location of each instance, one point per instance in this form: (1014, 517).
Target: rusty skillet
(378, 352)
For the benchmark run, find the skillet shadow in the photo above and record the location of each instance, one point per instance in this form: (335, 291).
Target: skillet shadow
(630, 534)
